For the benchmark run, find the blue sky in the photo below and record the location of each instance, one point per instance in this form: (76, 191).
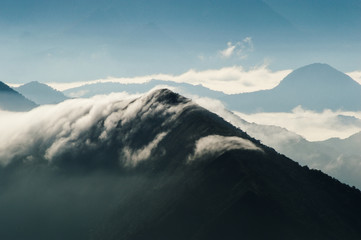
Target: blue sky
(81, 40)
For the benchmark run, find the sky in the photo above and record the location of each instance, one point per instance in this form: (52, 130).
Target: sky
(74, 41)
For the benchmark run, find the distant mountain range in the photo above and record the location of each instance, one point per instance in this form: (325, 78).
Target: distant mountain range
(41, 93)
(90, 90)
(314, 87)
(159, 167)
(11, 100)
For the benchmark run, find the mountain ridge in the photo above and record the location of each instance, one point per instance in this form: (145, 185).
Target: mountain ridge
(131, 161)
(315, 87)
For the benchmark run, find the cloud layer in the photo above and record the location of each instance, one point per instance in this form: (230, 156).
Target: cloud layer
(79, 125)
(311, 125)
(230, 80)
(339, 158)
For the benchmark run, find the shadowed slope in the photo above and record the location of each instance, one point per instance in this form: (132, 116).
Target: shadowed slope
(161, 167)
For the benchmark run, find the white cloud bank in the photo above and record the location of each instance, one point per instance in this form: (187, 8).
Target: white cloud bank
(230, 80)
(344, 163)
(311, 125)
(51, 130)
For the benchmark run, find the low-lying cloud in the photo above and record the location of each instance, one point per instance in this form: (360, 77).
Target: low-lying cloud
(311, 125)
(340, 159)
(230, 80)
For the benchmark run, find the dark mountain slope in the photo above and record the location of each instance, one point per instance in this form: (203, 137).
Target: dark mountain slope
(41, 93)
(13, 101)
(161, 167)
(315, 87)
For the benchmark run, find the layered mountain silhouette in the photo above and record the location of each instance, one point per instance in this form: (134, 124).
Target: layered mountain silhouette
(41, 93)
(90, 90)
(315, 87)
(11, 100)
(160, 167)
(339, 158)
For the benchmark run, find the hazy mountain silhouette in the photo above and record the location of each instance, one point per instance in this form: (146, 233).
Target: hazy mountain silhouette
(315, 87)
(90, 90)
(41, 93)
(160, 167)
(11, 100)
(339, 158)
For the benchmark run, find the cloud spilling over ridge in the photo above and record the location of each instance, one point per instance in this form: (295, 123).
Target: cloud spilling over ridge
(230, 80)
(134, 156)
(217, 145)
(85, 124)
(273, 136)
(344, 164)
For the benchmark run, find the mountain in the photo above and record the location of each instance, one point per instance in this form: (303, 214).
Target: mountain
(11, 100)
(340, 158)
(315, 87)
(41, 93)
(158, 167)
(348, 145)
(90, 90)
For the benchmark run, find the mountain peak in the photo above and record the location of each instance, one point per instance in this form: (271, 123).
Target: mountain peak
(316, 87)
(166, 96)
(41, 93)
(157, 171)
(316, 75)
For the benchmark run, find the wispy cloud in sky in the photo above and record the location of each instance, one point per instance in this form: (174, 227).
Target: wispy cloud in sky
(240, 49)
(229, 50)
